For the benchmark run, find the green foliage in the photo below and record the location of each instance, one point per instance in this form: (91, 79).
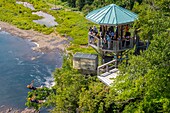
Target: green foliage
(39, 94)
(152, 18)
(87, 8)
(72, 24)
(76, 92)
(68, 85)
(92, 100)
(22, 17)
(77, 48)
(72, 3)
(82, 5)
(38, 4)
(143, 85)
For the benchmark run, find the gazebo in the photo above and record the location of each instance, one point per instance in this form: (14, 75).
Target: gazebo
(112, 15)
(116, 16)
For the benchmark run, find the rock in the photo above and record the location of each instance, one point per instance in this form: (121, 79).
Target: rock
(17, 111)
(26, 110)
(58, 8)
(8, 110)
(13, 110)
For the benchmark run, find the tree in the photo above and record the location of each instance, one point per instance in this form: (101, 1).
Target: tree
(72, 3)
(92, 99)
(143, 86)
(80, 4)
(68, 86)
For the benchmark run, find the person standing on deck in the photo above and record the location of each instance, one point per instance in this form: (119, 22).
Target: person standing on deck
(127, 33)
(108, 38)
(95, 30)
(91, 38)
(112, 34)
(89, 34)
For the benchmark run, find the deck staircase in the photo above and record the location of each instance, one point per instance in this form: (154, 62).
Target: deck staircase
(107, 72)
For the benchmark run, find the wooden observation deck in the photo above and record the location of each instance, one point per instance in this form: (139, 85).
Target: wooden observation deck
(108, 70)
(115, 47)
(112, 52)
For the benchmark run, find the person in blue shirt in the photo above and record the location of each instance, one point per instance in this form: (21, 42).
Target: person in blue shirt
(108, 38)
(112, 34)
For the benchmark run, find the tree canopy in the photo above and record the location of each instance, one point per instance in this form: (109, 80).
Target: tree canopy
(143, 85)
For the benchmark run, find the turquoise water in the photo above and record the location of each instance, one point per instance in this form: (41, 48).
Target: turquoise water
(19, 65)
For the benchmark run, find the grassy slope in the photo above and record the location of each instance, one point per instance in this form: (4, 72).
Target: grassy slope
(71, 23)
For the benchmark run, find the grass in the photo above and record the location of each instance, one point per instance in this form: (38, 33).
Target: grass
(72, 24)
(21, 17)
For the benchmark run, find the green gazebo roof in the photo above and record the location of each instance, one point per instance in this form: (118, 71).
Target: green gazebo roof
(111, 15)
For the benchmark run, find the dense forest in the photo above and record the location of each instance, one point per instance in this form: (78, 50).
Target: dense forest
(143, 85)
(88, 5)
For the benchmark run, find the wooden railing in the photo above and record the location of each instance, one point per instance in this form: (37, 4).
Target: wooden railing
(116, 45)
(95, 41)
(106, 67)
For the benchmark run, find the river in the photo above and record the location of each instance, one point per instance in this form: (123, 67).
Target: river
(19, 65)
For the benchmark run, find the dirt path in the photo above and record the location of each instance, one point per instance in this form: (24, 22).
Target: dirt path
(45, 43)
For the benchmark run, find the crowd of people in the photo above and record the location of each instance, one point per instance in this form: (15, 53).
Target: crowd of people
(108, 34)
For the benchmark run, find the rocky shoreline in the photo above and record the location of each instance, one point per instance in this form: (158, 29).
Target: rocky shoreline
(46, 43)
(13, 110)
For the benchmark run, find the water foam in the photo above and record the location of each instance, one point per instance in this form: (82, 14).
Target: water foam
(4, 32)
(49, 82)
(36, 44)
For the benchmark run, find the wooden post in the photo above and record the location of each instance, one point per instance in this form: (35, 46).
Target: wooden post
(126, 59)
(117, 34)
(131, 42)
(120, 47)
(116, 63)
(98, 44)
(103, 29)
(121, 32)
(98, 72)
(107, 68)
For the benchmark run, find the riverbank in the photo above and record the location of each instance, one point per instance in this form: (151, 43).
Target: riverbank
(12, 110)
(45, 43)
(19, 66)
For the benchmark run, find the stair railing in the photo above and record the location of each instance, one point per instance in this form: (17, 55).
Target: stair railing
(106, 67)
